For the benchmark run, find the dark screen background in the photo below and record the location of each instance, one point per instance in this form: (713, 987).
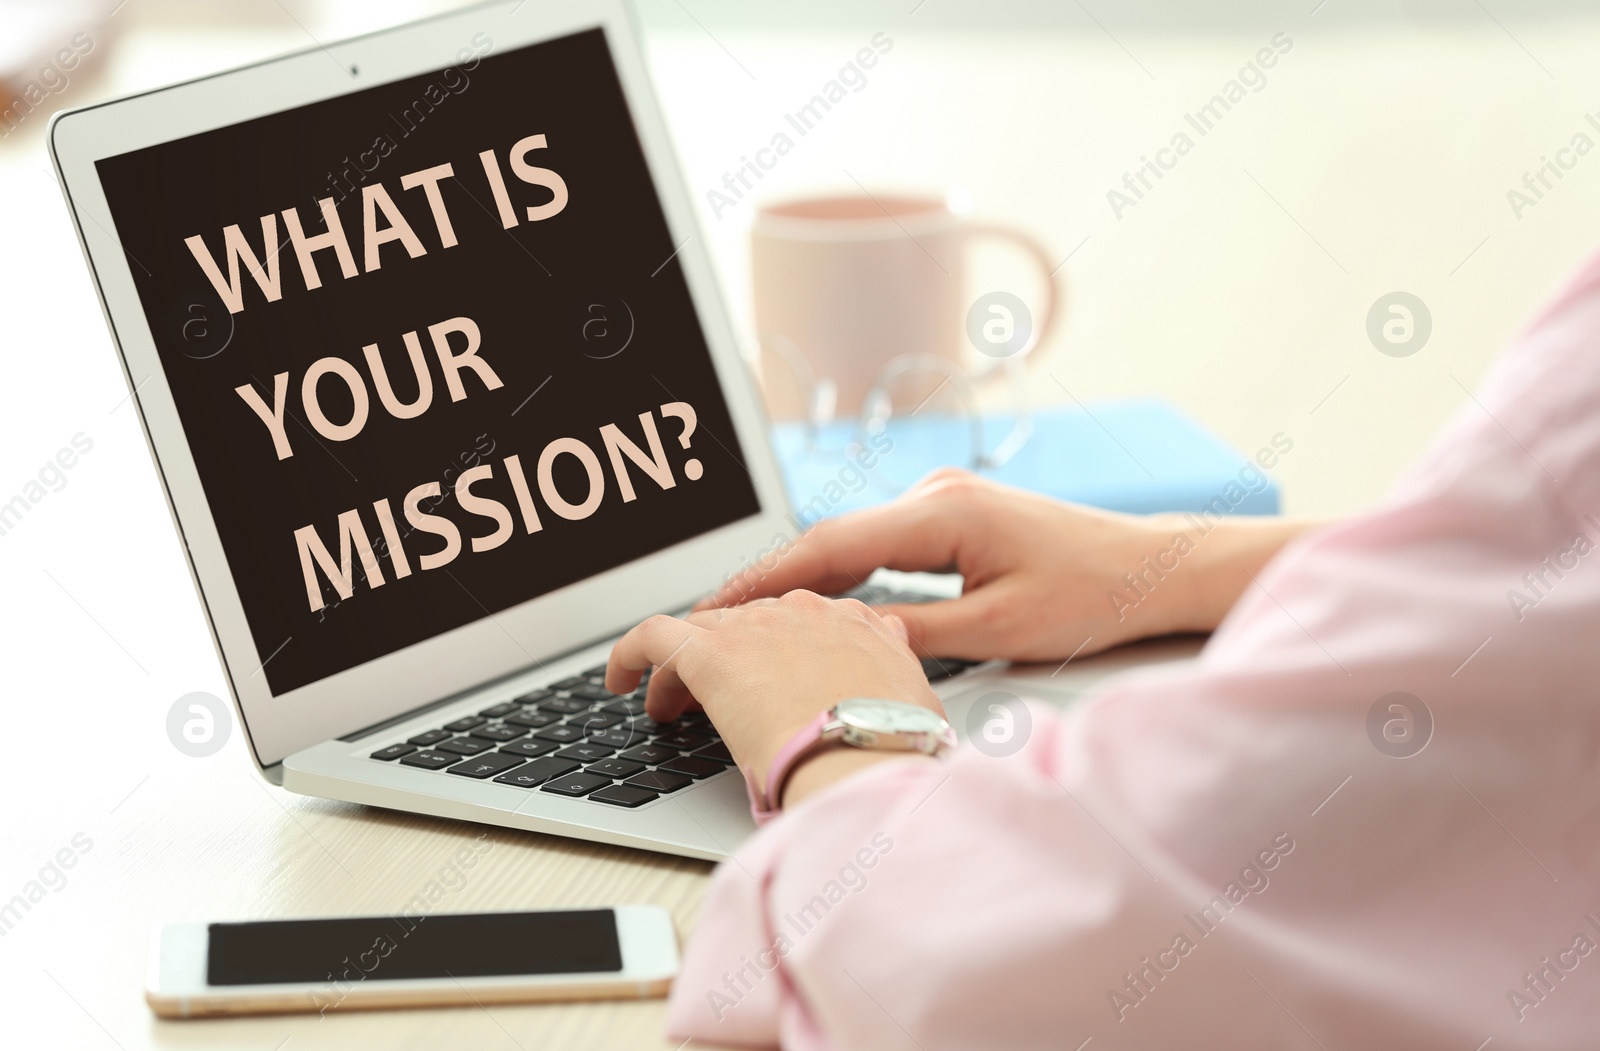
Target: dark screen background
(399, 947)
(531, 290)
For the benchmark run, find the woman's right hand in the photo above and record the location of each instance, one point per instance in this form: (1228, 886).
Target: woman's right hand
(1044, 580)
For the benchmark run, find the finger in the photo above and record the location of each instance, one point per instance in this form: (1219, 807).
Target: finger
(709, 604)
(960, 627)
(667, 696)
(841, 552)
(709, 616)
(651, 643)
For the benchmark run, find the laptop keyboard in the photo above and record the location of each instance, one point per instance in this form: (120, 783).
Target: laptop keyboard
(572, 738)
(577, 739)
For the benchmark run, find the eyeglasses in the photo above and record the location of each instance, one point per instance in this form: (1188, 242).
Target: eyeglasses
(921, 412)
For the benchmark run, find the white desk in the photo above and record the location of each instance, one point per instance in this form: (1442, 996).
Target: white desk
(1238, 289)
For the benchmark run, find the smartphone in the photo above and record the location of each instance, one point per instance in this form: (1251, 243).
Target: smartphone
(198, 970)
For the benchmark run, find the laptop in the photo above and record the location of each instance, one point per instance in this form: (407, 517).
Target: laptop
(437, 379)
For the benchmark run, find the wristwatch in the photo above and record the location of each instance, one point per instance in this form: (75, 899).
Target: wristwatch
(861, 722)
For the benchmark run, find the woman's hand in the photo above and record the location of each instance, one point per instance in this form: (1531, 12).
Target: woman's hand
(1044, 580)
(764, 670)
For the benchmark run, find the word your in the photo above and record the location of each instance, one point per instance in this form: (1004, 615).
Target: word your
(353, 534)
(52, 80)
(376, 202)
(451, 365)
(852, 879)
(1140, 586)
(1538, 581)
(1537, 985)
(452, 81)
(51, 878)
(451, 878)
(1140, 982)
(1252, 76)
(852, 75)
(1537, 182)
(852, 477)
(52, 478)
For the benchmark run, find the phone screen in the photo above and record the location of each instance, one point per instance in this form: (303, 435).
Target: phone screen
(379, 948)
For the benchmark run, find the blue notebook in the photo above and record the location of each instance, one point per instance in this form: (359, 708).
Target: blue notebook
(1138, 457)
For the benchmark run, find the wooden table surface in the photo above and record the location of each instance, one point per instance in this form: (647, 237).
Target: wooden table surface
(1239, 290)
(160, 837)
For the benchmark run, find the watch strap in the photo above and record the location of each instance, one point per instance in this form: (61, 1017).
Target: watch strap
(764, 806)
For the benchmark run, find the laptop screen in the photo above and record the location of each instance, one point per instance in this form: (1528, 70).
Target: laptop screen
(430, 348)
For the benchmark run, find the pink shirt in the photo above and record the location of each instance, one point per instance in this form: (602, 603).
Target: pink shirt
(1238, 853)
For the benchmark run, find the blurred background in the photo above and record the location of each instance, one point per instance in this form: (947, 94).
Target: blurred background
(1438, 149)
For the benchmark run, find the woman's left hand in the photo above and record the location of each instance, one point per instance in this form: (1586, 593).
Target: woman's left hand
(763, 670)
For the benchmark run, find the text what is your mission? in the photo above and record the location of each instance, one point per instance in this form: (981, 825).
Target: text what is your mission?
(488, 492)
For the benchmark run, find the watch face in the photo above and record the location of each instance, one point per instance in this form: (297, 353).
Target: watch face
(889, 717)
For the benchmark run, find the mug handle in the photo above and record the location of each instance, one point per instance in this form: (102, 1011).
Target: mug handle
(1055, 294)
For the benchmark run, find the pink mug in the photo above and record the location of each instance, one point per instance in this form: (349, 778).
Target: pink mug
(845, 285)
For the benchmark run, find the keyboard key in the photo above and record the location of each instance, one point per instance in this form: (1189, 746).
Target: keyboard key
(561, 733)
(500, 709)
(585, 752)
(617, 768)
(431, 737)
(430, 760)
(593, 722)
(486, 765)
(533, 720)
(696, 719)
(535, 696)
(620, 737)
(499, 732)
(625, 706)
(537, 772)
(567, 684)
(465, 745)
(658, 781)
(650, 726)
(623, 795)
(564, 705)
(683, 741)
(529, 748)
(598, 669)
(649, 753)
(695, 768)
(575, 784)
(465, 723)
(718, 751)
(395, 751)
(590, 692)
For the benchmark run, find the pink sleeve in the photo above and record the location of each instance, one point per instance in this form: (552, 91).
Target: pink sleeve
(1241, 852)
